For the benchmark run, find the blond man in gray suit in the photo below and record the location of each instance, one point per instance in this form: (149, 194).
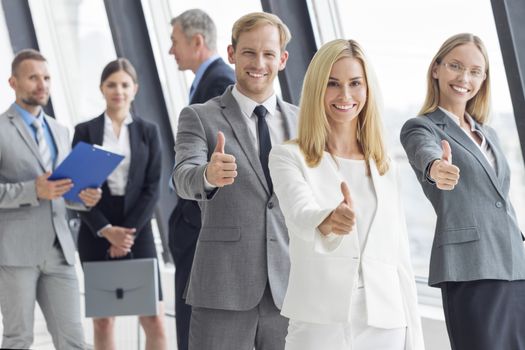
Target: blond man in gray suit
(37, 251)
(241, 265)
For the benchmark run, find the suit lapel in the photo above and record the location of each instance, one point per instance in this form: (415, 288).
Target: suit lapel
(233, 114)
(454, 131)
(134, 130)
(289, 127)
(96, 131)
(96, 136)
(380, 191)
(496, 151)
(18, 123)
(59, 145)
(196, 98)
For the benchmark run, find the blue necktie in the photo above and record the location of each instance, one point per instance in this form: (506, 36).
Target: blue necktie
(43, 147)
(265, 143)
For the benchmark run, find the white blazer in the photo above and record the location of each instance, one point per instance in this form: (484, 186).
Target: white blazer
(324, 270)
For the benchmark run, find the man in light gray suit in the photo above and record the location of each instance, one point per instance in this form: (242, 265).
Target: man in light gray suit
(37, 251)
(241, 266)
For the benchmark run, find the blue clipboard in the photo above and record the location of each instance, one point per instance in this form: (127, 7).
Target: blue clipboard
(87, 166)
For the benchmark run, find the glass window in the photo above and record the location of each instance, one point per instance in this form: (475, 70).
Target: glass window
(7, 95)
(76, 39)
(401, 56)
(326, 20)
(400, 50)
(176, 84)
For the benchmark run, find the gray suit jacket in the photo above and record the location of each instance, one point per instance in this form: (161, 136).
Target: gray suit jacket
(28, 225)
(243, 242)
(477, 234)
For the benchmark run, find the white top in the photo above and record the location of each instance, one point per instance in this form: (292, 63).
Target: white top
(324, 272)
(118, 179)
(484, 147)
(363, 198)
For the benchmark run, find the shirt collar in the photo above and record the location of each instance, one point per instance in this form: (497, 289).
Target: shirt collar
(202, 68)
(455, 118)
(27, 117)
(247, 105)
(109, 122)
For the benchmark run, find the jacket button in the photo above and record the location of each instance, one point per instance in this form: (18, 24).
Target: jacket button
(198, 196)
(270, 205)
(499, 204)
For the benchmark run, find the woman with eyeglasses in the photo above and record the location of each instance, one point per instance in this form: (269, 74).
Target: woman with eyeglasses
(478, 257)
(351, 283)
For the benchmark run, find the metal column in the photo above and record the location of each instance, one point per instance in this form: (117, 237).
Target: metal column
(22, 31)
(509, 15)
(301, 48)
(131, 39)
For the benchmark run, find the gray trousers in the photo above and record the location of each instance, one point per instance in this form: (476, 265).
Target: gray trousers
(262, 327)
(54, 285)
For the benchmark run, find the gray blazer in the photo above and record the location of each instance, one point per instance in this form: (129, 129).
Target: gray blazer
(243, 242)
(28, 225)
(477, 234)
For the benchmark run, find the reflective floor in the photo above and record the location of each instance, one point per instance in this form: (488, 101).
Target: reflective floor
(129, 336)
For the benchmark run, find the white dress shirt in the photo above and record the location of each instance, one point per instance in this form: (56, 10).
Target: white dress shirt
(484, 147)
(118, 179)
(274, 119)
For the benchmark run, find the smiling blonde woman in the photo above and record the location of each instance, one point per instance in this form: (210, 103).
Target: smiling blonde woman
(351, 283)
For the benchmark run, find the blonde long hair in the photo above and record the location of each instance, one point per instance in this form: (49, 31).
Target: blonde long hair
(313, 121)
(478, 106)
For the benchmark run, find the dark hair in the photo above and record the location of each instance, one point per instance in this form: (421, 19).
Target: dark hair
(116, 66)
(25, 54)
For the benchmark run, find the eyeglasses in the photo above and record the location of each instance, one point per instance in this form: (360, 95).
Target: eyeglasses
(457, 68)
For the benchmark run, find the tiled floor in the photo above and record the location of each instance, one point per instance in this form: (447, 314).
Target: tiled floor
(129, 337)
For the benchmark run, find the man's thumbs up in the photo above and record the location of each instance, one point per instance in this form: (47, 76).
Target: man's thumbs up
(221, 141)
(222, 169)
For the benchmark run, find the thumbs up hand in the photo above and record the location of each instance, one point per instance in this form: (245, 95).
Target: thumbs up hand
(442, 171)
(447, 151)
(342, 220)
(222, 169)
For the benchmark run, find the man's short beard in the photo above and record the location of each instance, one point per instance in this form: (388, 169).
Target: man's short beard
(33, 102)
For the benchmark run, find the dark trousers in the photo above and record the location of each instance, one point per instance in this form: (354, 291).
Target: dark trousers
(184, 226)
(183, 310)
(485, 314)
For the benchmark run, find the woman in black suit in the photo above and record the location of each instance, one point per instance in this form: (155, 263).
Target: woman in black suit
(120, 224)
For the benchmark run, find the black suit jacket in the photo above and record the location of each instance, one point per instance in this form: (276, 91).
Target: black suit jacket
(142, 188)
(217, 77)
